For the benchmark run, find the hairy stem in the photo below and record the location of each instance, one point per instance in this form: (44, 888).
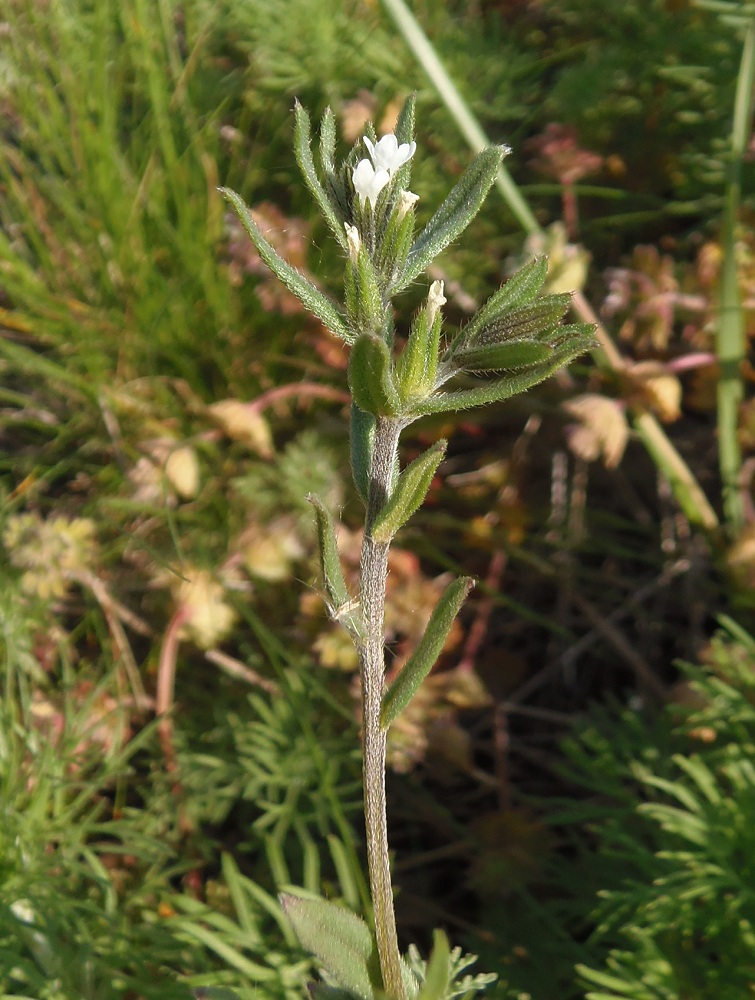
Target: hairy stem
(374, 573)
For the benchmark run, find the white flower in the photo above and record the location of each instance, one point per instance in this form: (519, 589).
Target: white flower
(387, 154)
(369, 182)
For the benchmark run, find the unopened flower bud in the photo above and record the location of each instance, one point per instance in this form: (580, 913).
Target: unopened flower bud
(435, 300)
(407, 200)
(354, 241)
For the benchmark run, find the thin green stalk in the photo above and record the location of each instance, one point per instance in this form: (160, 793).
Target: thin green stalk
(730, 333)
(687, 490)
(374, 574)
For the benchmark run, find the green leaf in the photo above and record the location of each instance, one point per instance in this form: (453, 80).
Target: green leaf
(455, 214)
(530, 320)
(408, 493)
(371, 377)
(404, 131)
(303, 150)
(437, 976)
(394, 244)
(417, 364)
(341, 606)
(364, 302)
(339, 939)
(362, 440)
(422, 660)
(509, 355)
(520, 289)
(577, 339)
(328, 142)
(307, 293)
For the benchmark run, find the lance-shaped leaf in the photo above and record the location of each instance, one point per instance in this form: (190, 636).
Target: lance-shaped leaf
(307, 293)
(508, 356)
(574, 339)
(394, 244)
(437, 976)
(430, 646)
(340, 604)
(417, 364)
(520, 289)
(328, 142)
(408, 493)
(404, 132)
(455, 214)
(371, 377)
(339, 939)
(364, 303)
(303, 150)
(362, 444)
(530, 320)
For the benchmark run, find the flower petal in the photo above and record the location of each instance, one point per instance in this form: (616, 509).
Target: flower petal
(387, 154)
(369, 182)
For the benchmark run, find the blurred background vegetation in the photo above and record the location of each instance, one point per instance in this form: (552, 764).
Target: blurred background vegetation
(573, 793)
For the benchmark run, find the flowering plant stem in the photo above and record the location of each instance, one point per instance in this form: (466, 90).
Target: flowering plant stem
(374, 573)
(515, 341)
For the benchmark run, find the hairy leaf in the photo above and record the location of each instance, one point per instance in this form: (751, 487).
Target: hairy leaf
(574, 340)
(409, 493)
(520, 289)
(328, 142)
(531, 320)
(510, 355)
(455, 214)
(404, 132)
(303, 150)
(339, 599)
(422, 660)
(338, 938)
(307, 293)
(371, 377)
(418, 362)
(364, 301)
(362, 443)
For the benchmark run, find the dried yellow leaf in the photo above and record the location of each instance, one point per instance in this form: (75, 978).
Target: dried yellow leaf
(602, 431)
(243, 423)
